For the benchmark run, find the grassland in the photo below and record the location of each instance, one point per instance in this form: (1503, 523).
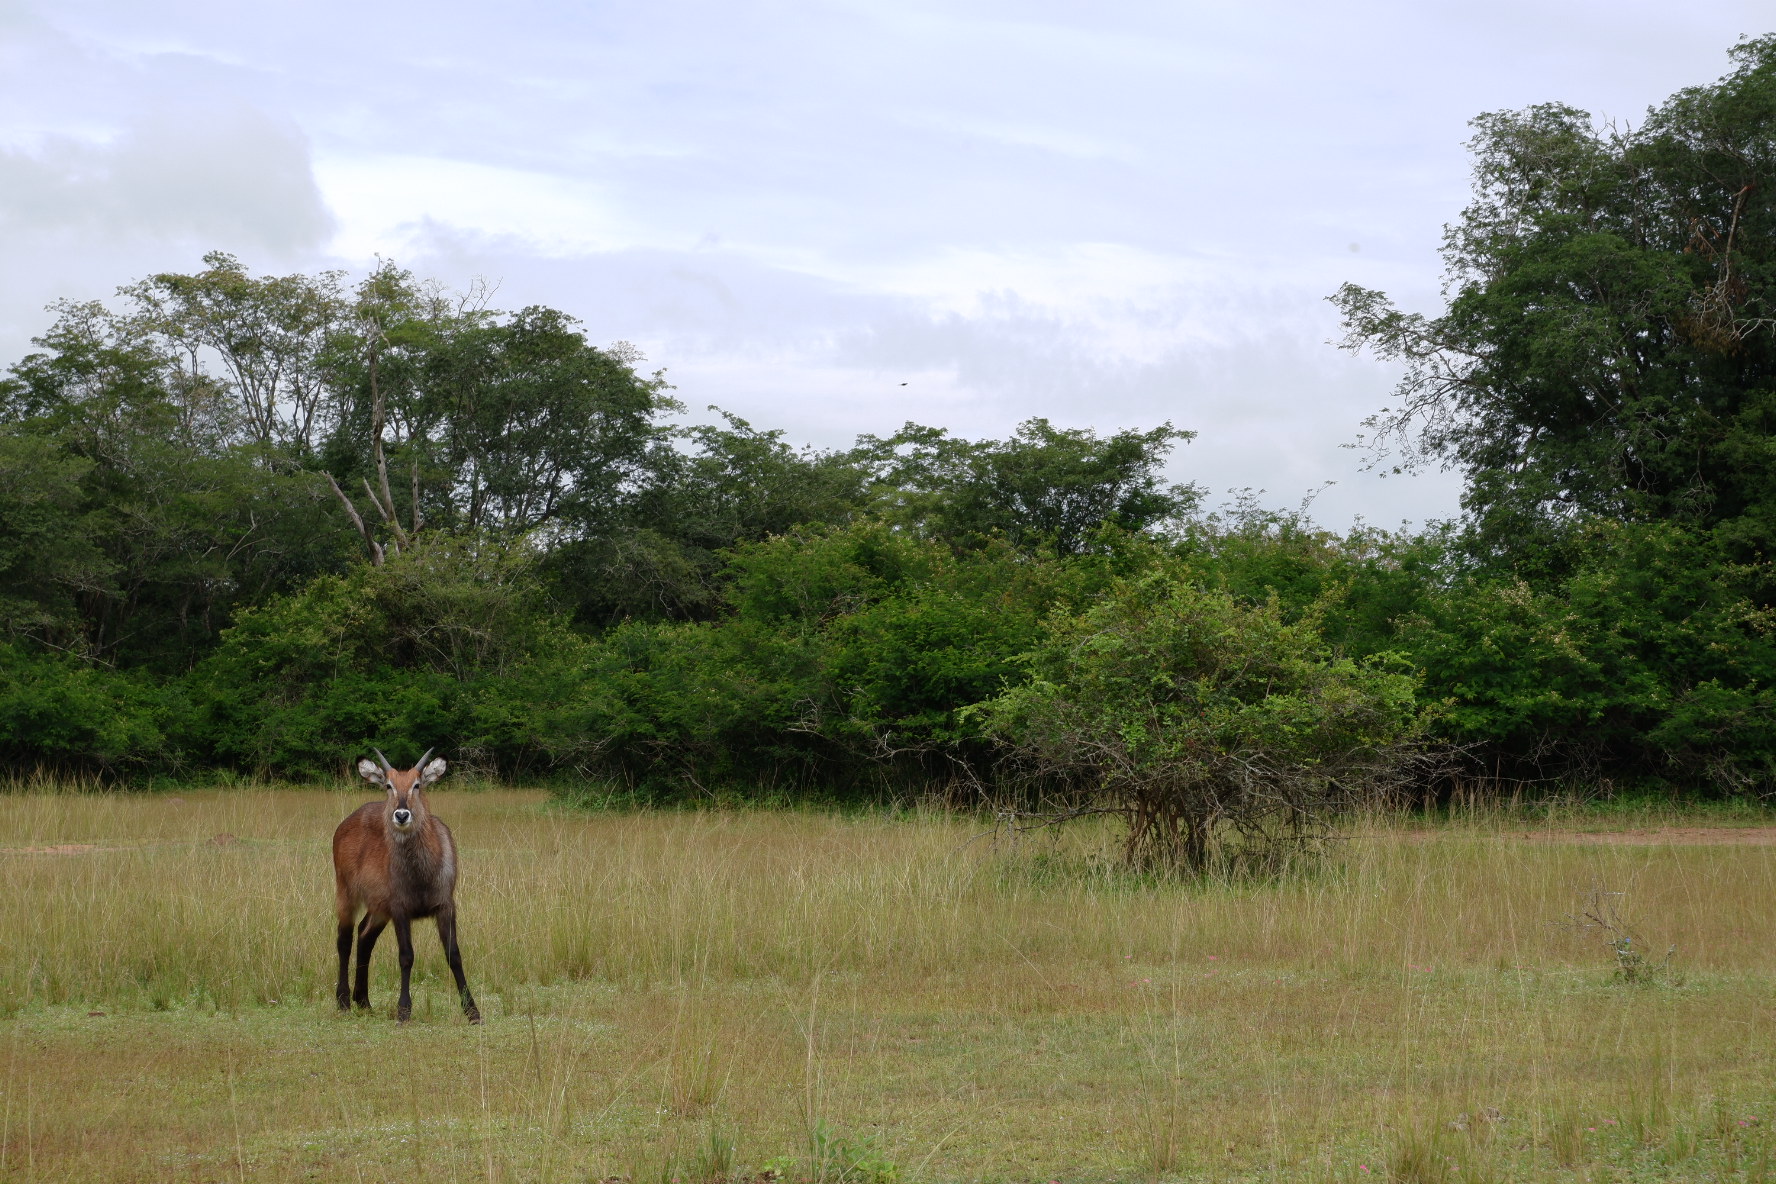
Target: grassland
(686, 996)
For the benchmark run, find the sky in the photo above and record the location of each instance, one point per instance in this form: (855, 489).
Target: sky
(832, 218)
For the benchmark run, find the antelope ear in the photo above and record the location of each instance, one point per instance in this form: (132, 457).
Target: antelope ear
(433, 771)
(369, 770)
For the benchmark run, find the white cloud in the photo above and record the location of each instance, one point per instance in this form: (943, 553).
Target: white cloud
(389, 204)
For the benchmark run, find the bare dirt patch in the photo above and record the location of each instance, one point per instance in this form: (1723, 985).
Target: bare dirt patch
(1642, 836)
(1663, 836)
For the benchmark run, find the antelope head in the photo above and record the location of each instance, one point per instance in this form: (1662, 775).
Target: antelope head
(406, 810)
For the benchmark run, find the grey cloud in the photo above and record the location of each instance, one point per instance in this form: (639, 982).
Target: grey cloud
(706, 301)
(232, 178)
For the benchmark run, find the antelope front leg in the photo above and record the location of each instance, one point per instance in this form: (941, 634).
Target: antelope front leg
(453, 955)
(368, 932)
(404, 940)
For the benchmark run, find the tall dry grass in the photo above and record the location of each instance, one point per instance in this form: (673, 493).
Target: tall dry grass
(706, 994)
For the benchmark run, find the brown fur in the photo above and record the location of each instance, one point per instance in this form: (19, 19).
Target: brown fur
(390, 873)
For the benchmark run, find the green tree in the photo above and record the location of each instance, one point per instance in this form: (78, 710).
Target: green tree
(447, 642)
(533, 427)
(59, 714)
(729, 485)
(913, 632)
(136, 520)
(1650, 659)
(265, 335)
(1045, 487)
(377, 362)
(1609, 344)
(47, 553)
(1360, 585)
(464, 419)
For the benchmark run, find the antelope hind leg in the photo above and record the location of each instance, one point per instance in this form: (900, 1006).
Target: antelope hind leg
(343, 991)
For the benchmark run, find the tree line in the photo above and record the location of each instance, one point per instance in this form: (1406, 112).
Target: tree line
(258, 523)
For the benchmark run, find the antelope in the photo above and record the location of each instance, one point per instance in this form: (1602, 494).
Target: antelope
(394, 860)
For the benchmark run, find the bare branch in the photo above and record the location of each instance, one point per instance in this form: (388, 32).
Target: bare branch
(418, 521)
(378, 415)
(376, 553)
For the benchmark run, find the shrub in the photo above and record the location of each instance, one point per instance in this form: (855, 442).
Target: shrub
(713, 707)
(1219, 732)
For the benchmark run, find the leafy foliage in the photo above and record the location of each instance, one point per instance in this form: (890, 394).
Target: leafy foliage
(1652, 655)
(506, 425)
(731, 485)
(133, 525)
(1045, 488)
(845, 660)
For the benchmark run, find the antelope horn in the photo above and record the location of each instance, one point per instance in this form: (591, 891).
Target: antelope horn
(422, 760)
(386, 767)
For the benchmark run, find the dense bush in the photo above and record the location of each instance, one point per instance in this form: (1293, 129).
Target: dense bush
(845, 661)
(447, 643)
(913, 630)
(259, 523)
(61, 715)
(1651, 658)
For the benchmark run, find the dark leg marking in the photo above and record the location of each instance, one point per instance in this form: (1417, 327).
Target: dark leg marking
(404, 939)
(367, 935)
(453, 955)
(343, 992)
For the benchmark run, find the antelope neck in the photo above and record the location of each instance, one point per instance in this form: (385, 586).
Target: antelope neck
(415, 848)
